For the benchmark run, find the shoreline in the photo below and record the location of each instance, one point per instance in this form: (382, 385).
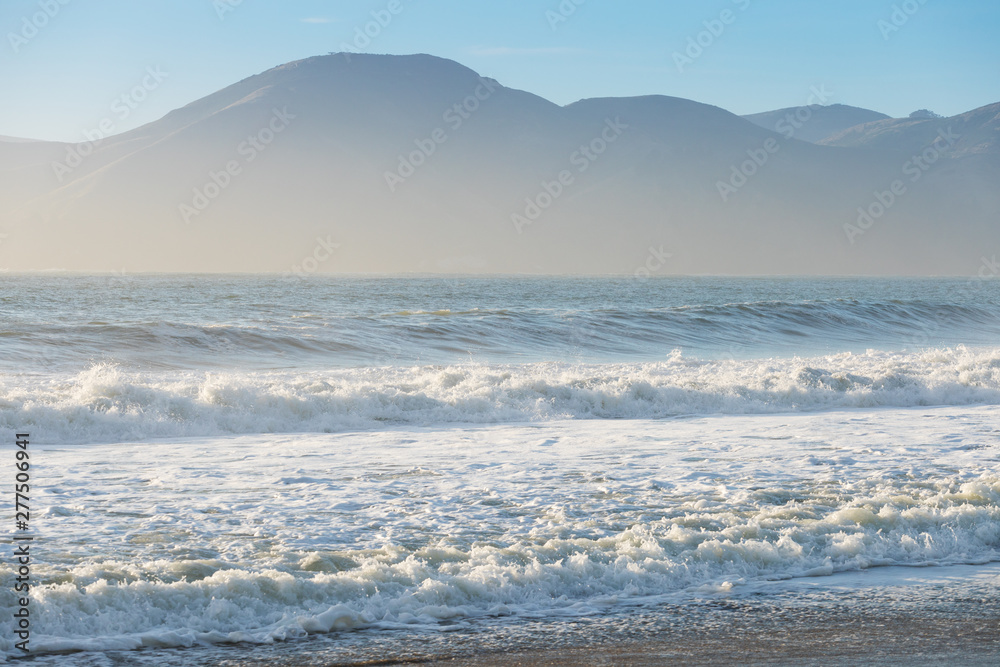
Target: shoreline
(896, 616)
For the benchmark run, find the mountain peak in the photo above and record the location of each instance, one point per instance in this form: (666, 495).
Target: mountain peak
(814, 123)
(417, 163)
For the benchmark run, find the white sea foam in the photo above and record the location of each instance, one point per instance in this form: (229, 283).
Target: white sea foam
(267, 538)
(107, 403)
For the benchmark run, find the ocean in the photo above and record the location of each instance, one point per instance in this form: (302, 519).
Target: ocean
(228, 468)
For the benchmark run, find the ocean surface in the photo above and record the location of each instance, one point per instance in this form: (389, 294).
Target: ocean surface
(228, 462)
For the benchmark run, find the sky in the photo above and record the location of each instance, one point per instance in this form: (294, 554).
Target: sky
(67, 66)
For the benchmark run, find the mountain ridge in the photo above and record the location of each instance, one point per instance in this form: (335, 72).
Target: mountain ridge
(418, 163)
(814, 122)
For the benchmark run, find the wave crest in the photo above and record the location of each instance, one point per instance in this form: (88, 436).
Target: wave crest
(108, 403)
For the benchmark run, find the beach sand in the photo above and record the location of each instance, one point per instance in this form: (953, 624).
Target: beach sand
(898, 641)
(834, 640)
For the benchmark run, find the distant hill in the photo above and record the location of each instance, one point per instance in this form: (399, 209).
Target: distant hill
(393, 164)
(815, 122)
(978, 133)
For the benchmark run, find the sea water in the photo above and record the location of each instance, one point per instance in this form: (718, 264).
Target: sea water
(223, 460)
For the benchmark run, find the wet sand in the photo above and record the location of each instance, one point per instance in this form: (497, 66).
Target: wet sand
(881, 643)
(865, 641)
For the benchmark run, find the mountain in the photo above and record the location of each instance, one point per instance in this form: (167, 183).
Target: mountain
(384, 164)
(977, 132)
(814, 122)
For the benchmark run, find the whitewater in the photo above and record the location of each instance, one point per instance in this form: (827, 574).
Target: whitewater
(223, 462)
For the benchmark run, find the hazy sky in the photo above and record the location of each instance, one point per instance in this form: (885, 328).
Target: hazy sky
(63, 72)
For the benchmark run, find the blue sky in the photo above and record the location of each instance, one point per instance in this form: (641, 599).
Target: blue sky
(62, 78)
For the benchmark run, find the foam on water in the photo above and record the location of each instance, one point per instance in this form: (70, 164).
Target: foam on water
(109, 403)
(269, 538)
(223, 459)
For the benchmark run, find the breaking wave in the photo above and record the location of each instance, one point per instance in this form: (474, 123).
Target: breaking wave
(109, 403)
